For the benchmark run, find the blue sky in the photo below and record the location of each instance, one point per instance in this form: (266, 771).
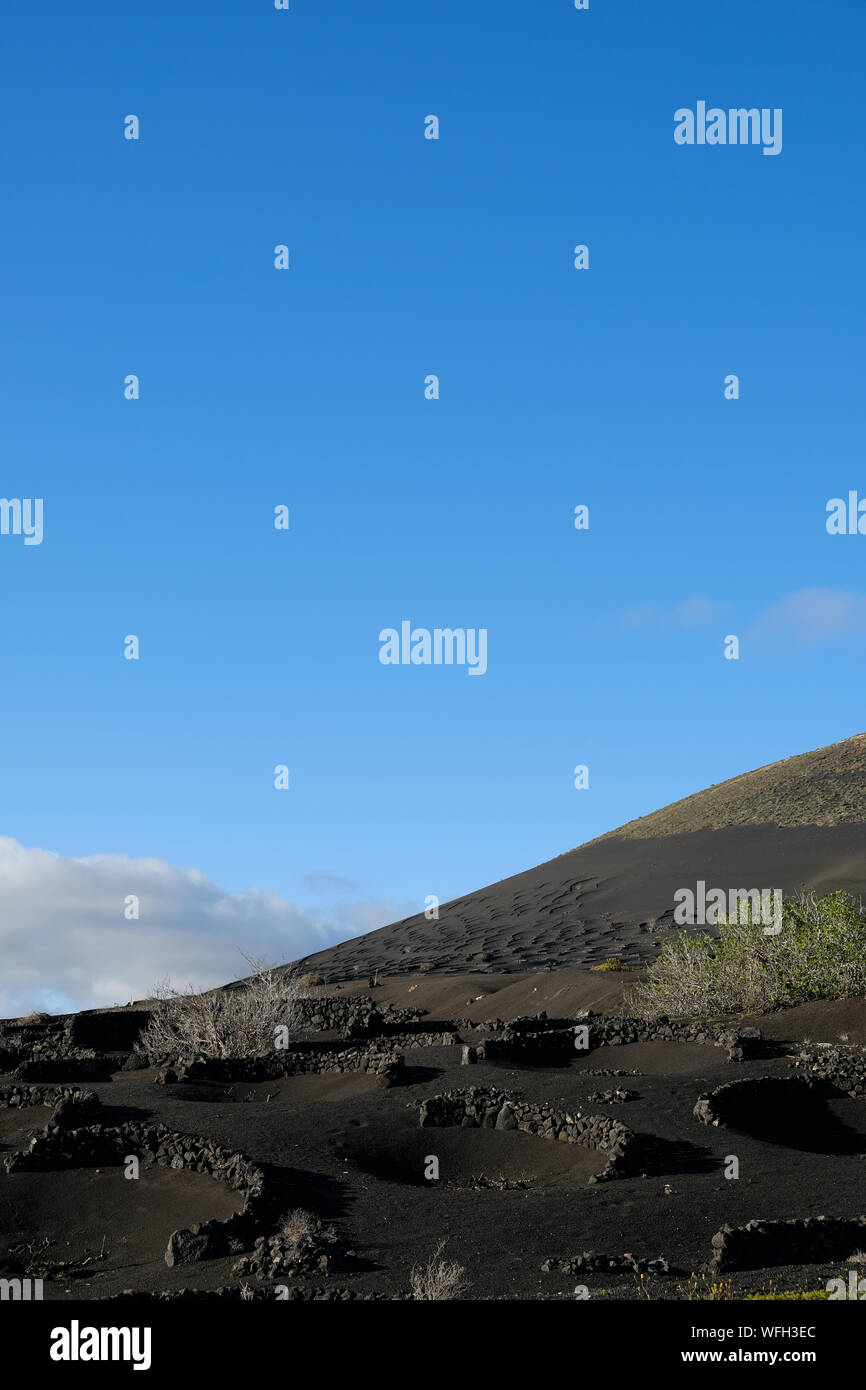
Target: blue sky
(306, 387)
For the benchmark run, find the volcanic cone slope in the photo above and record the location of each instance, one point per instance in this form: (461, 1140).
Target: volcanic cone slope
(798, 823)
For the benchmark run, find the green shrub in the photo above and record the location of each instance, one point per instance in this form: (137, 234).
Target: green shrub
(820, 953)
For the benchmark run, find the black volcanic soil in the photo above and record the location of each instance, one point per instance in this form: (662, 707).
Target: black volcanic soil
(612, 897)
(396, 1151)
(17, 1125)
(355, 1154)
(299, 1090)
(115, 1229)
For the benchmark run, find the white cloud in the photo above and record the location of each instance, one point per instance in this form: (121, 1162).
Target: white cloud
(329, 883)
(689, 613)
(807, 616)
(65, 943)
(814, 615)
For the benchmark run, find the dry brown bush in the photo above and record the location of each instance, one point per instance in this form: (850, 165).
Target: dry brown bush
(438, 1279)
(238, 1022)
(297, 1224)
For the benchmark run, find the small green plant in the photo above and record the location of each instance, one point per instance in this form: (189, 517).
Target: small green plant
(701, 1289)
(612, 963)
(426, 965)
(788, 1296)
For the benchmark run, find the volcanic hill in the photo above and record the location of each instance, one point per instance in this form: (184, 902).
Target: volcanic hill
(797, 823)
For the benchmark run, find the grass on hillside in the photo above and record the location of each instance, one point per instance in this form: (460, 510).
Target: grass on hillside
(824, 787)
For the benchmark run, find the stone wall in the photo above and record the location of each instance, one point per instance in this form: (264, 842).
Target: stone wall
(19, 1035)
(842, 1068)
(279, 1293)
(44, 1095)
(553, 1038)
(71, 1036)
(61, 1065)
(814, 1240)
(487, 1108)
(388, 1066)
(354, 1017)
(528, 1023)
(109, 1032)
(591, 1262)
(318, 1250)
(736, 1102)
(608, 1031)
(410, 1040)
(99, 1145)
